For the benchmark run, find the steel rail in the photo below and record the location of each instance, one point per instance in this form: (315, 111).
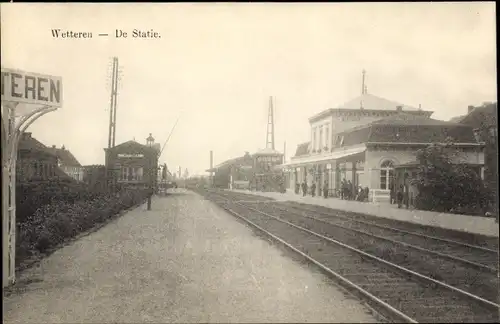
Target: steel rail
(401, 230)
(390, 264)
(347, 282)
(443, 255)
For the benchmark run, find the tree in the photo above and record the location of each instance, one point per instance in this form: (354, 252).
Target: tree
(186, 174)
(446, 184)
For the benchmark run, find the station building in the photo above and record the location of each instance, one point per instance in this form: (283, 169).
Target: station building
(367, 139)
(132, 164)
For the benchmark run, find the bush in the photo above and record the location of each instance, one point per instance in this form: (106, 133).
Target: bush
(447, 186)
(31, 196)
(57, 221)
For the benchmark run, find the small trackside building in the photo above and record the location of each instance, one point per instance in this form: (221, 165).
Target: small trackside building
(132, 165)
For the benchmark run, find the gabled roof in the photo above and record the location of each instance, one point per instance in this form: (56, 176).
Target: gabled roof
(66, 157)
(29, 143)
(482, 116)
(135, 144)
(372, 102)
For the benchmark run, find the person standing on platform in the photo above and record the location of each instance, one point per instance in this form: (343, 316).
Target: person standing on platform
(313, 189)
(325, 189)
(349, 190)
(392, 198)
(399, 196)
(304, 188)
(343, 187)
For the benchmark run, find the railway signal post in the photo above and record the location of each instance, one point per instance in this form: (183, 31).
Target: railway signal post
(26, 97)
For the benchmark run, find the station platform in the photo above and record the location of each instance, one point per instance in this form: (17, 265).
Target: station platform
(471, 224)
(185, 261)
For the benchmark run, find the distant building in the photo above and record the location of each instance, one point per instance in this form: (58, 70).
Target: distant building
(35, 161)
(68, 163)
(132, 164)
(249, 171)
(483, 119)
(364, 140)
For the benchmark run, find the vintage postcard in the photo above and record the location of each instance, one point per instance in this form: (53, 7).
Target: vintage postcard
(249, 162)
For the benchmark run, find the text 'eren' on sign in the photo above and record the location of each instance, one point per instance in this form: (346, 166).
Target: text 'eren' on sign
(31, 88)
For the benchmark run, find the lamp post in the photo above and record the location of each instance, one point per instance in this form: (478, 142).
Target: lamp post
(150, 141)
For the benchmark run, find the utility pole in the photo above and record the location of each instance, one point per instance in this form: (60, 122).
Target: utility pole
(363, 86)
(284, 152)
(112, 118)
(112, 104)
(270, 125)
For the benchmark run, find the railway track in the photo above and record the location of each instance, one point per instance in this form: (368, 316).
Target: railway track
(476, 240)
(484, 258)
(401, 293)
(471, 277)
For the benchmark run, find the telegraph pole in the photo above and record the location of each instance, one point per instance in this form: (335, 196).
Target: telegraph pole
(112, 117)
(284, 152)
(112, 103)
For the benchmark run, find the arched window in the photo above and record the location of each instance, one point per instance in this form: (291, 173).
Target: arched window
(386, 175)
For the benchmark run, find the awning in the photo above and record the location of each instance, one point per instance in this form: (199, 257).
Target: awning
(340, 155)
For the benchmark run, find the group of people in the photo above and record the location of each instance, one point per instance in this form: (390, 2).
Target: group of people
(350, 192)
(305, 188)
(347, 191)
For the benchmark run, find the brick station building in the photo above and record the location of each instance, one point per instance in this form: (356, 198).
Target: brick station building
(132, 165)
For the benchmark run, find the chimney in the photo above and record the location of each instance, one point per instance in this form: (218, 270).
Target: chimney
(470, 108)
(419, 106)
(26, 135)
(63, 148)
(399, 108)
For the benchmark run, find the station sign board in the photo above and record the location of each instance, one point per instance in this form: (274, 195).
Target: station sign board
(31, 88)
(121, 155)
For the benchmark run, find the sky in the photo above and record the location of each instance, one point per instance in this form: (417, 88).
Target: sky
(216, 65)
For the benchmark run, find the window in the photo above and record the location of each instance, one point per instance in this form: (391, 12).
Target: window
(327, 137)
(314, 139)
(131, 174)
(386, 175)
(124, 173)
(320, 138)
(342, 141)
